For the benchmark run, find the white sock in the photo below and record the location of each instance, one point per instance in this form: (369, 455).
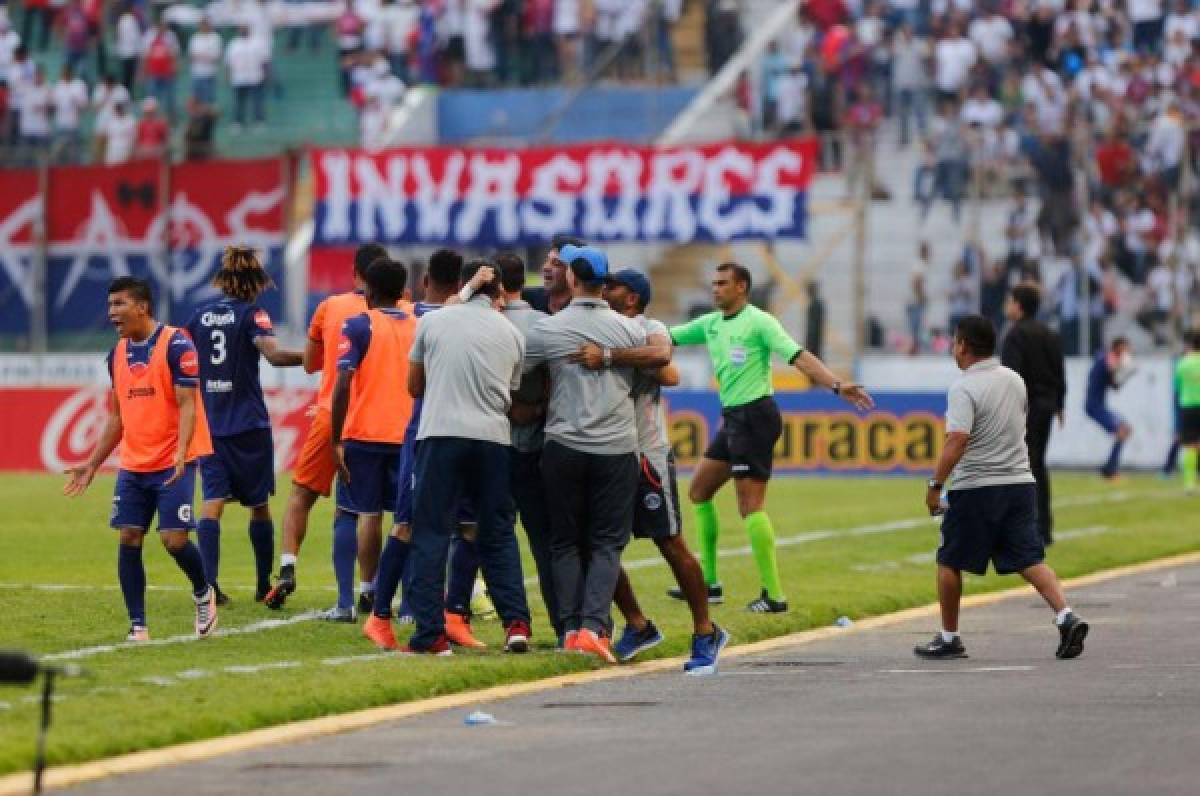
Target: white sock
(1062, 615)
(366, 586)
(287, 559)
(949, 635)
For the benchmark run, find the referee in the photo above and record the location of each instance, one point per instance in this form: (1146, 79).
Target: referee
(992, 498)
(741, 339)
(1034, 351)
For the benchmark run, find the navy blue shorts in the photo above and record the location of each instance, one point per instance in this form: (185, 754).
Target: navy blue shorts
(407, 483)
(373, 472)
(137, 497)
(241, 468)
(1109, 420)
(996, 523)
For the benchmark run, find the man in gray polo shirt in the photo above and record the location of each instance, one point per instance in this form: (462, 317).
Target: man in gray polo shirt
(992, 511)
(465, 361)
(589, 463)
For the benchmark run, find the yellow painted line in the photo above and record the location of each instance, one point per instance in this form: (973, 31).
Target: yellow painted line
(63, 776)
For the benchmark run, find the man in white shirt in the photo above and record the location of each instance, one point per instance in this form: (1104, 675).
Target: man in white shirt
(9, 42)
(992, 34)
(120, 131)
(128, 45)
(34, 128)
(1147, 19)
(204, 58)
(107, 94)
(70, 98)
(247, 65)
(953, 58)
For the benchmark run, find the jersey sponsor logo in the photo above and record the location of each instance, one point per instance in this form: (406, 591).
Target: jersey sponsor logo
(140, 392)
(211, 318)
(189, 363)
(262, 320)
(217, 385)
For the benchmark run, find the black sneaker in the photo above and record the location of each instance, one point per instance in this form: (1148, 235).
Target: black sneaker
(222, 597)
(1071, 634)
(765, 605)
(716, 595)
(284, 586)
(940, 648)
(366, 602)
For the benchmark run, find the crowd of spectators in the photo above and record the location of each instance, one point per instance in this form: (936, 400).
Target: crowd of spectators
(1085, 113)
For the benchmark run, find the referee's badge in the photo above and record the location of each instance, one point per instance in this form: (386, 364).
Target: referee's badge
(737, 355)
(652, 501)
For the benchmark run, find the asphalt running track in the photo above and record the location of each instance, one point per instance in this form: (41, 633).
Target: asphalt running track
(851, 714)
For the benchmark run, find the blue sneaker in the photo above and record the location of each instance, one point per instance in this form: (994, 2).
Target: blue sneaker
(634, 641)
(705, 651)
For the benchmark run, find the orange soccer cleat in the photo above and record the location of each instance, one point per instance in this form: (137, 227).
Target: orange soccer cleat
(458, 631)
(379, 631)
(591, 644)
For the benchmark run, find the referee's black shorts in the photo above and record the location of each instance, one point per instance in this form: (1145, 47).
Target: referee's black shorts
(747, 438)
(996, 523)
(1189, 425)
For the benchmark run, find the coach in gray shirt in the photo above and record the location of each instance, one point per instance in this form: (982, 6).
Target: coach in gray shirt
(589, 462)
(464, 363)
(992, 512)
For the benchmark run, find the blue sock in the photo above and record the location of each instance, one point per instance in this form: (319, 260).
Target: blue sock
(262, 539)
(132, 576)
(1114, 458)
(387, 577)
(189, 560)
(345, 552)
(460, 581)
(208, 537)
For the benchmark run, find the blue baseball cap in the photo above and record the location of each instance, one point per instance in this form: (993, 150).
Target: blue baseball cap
(635, 281)
(594, 257)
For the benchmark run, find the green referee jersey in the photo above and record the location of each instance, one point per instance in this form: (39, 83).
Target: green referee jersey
(1187, 381)
(740, 347)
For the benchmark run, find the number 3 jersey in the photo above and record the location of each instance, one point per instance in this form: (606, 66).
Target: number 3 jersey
(224, 333)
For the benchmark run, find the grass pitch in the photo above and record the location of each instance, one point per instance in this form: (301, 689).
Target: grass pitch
(853, 547)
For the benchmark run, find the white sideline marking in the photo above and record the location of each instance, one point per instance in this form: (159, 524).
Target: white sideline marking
(972, 670)
(642, 563)
(261, 667)
(342, 661)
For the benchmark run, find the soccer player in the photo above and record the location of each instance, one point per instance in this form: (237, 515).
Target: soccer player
(230, 334)
(370, 406)
(1187, 391)
(656, 503)
(992, 513)
(555, 293)
(159, 423)
(1110, 371)
(442, 283)
(741, 339)
(314, 472)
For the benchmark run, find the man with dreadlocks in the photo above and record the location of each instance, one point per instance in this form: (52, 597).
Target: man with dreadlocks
(230, 333)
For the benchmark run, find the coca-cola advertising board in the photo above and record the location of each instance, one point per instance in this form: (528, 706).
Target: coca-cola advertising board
(56, 428)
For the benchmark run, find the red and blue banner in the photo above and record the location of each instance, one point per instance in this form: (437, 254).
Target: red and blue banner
(167, 224)
(604, 193)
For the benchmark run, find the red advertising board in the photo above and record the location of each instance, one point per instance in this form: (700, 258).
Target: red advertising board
(58, 427)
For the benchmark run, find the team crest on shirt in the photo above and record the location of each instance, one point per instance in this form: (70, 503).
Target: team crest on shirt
(138, 368)
(189, 363)
(652, 501)
(343, 346)
(262, 320)
(185, 513)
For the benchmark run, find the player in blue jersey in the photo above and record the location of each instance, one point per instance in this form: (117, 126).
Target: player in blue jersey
(1110, 370)
(230, 335)
(441, 286)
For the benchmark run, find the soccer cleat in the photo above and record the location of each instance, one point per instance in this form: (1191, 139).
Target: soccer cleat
(439, 648)
(517, 637)
(716, 594)
(137, 633)
(284, 586)
(940, 649)
(589, 643)
(481, 603)
(379, 631)
(705, 652)
(569, 642)
(347, 616)
(1071, 634)
(366, 602)
(765, 605)
(458, 631)
(206, 612)
(634, 641)
(222, 598)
